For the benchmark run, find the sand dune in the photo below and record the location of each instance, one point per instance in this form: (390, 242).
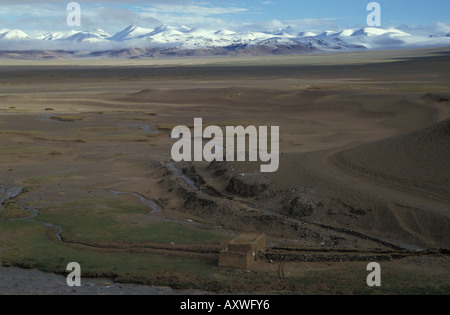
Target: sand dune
(417, 162)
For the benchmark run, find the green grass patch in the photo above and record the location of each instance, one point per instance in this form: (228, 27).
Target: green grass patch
(86, 226)
(32, 249)
(99, 220)
(26, 244)
(166, 232)
(351, 279)
(12, 211)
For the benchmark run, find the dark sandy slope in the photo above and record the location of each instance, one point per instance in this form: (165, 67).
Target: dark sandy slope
(418, 162)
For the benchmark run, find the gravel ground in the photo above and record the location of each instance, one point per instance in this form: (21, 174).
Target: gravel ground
(16, 281)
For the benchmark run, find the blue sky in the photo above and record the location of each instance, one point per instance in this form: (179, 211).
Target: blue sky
(114, 15)
(352, 12)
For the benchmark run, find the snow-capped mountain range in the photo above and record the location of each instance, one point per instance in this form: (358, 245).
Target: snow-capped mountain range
(288, 40)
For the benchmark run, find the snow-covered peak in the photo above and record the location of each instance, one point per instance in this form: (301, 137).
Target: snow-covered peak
(14, 34)
(131, 32)
(285, 35)
(90, 37)
(58, 35)
(328, 33)
(202, 32)
(288, 31)
(77, 36)
(164, 30)
(224, 33)
(375, 31)
(100, 33)
(165, 36)
(184, 29)
(306, 34)
(348, 32)
(163, 27)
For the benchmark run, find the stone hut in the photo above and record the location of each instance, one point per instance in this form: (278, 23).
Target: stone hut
(242, 252)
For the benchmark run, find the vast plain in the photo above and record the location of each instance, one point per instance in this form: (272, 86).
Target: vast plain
(86, 173)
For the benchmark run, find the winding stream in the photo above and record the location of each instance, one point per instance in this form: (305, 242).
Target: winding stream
(155, 208)
(14, 191)
(33, 214)
(7, 193)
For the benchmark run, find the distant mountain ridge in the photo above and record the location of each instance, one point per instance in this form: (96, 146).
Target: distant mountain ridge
(440, 35)
(184, 39)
